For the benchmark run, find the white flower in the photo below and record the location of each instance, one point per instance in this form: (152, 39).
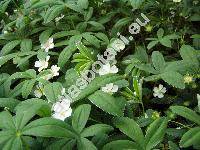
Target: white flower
(62, 109)
(107, 68)
(110, 88)
(119, 44)
(59, 18)
(39, 91)
(42, 64)
(55, 70)
(176, 1)
(48, 45)
(159, 91)
(5, 32)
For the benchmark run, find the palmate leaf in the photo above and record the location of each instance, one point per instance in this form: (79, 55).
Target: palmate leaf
(191, 137)
(131, 129)
(108, 103)
(80, 117)
(186, 113)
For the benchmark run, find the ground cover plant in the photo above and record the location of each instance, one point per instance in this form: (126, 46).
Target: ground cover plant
(99, 74)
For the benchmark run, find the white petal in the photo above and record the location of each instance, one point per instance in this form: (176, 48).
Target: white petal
(50, 40)
(160, 95)
(160, 86)
(38, 93)
(115, 88)
(113, 69)
(37, 64)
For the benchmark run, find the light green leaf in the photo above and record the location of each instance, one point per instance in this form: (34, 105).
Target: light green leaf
(7, 121)
(136, 4)
(91, 39)
(122, 22)
(83, 4)
(44, 36)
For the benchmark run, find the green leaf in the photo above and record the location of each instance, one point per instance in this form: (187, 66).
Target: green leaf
(11, 103)
(85, 144)
(155, 133)
(158, 61)
(173, 146)
(80, 117)
(97, 83)
(186, 113)
(152, 44)
(120, 144)
(131, 129)
(83, 4)
(136, 4)
(6, 135)
(107, 103)
(91, 39)
(4, 59)
(48, 127)
(65, 55)
(191, 137)
(189, 56)
(44, 36)
(26, 45)
(173, 78)
(26, 112)
(53, 12)
(160, 33)
(44, 107)
(7, 121)
(96, 25)
(9, 47)
(27, 87)
(96, 129)
(88, 14)
(52, 91)
(122, 22)
(166, 42)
